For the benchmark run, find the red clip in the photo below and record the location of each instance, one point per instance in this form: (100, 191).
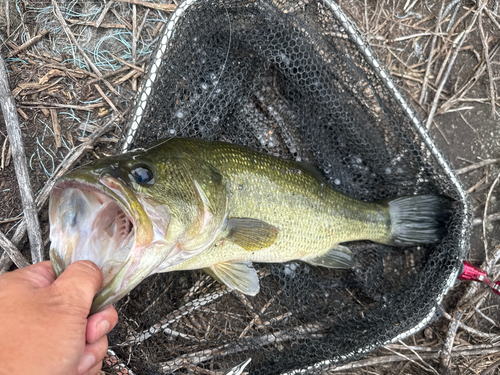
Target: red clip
(473, 273)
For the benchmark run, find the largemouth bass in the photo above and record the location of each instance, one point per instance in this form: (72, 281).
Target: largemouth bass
(190, 204)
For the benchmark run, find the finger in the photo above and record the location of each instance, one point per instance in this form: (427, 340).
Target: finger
(101, 324)
(80, 281)
(42, 274)
(95, 370)
(38, 275)
(93, 354)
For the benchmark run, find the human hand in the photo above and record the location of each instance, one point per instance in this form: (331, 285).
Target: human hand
(44, 324)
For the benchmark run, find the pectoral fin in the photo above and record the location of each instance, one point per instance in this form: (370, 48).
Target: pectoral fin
(250, 234)
(337, 257)
(240, 276)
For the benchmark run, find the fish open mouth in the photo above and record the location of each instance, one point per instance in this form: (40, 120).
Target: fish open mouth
(89, 224)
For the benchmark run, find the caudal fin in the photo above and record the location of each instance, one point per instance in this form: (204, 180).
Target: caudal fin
(419, 219)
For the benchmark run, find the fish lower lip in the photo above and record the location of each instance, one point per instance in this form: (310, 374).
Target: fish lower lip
(88, 224)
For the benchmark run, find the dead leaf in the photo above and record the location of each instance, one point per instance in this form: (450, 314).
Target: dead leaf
(49, 75)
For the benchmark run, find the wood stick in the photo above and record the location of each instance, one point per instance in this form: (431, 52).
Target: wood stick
(55, 126)
(2, 163)
(94, 24)
(66, 164)
(138, 68)
(13, 252)
(89, 107)
(64, 25)
(107, 7)
(126, 77)
(15, 138)
(474, 166)
(450, 338)
(489, 219)
(11, 220)
(164, 7)
(470, 330)
(28, 43)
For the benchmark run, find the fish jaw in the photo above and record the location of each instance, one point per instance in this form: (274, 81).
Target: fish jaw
(99, 219)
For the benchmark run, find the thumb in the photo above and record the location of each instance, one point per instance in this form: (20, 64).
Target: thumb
(82, 279)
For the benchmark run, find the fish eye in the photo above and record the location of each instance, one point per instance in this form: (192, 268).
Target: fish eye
(143, 175)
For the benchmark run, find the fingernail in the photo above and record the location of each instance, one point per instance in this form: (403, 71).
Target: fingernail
(86, 363)
(102, 328)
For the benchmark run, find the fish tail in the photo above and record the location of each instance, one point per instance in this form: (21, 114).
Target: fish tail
(418, 219)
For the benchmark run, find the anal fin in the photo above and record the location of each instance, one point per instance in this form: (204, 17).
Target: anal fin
(337, 257)
(240, 276)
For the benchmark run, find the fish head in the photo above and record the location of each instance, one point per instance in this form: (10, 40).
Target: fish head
(112, 212)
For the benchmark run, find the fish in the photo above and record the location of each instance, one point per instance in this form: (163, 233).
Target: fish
(185, 204)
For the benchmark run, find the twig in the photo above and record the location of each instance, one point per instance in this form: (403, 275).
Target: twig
(485, 239)
(89, 107)
(14, 131)
(492, 18)
(470, 82)
(28, 43)
(296, 333)
(256, 316)
(174, 317)
(472, 331)
(66, 164)
(450, 338)
(485, 317)
(13, 252)
(490, 368)
(427, 74)
(2, 164)
(488, 64)
(55, 126)
(115, 72)
(124, 62)
(107, 7)
(164, 7)
(64, 25)
(94, 24)
(418, 357)
(108, 100)
(481, 164)
(489, 219)
(125, 78)
(10, 220)
(464, 36)
(396, 358)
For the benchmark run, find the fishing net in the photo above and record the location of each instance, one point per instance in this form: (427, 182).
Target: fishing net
(292, 79)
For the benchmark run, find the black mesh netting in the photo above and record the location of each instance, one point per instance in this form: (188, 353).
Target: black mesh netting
(290, 79)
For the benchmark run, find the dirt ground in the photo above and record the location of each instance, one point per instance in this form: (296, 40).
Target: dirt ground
(401, 33)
